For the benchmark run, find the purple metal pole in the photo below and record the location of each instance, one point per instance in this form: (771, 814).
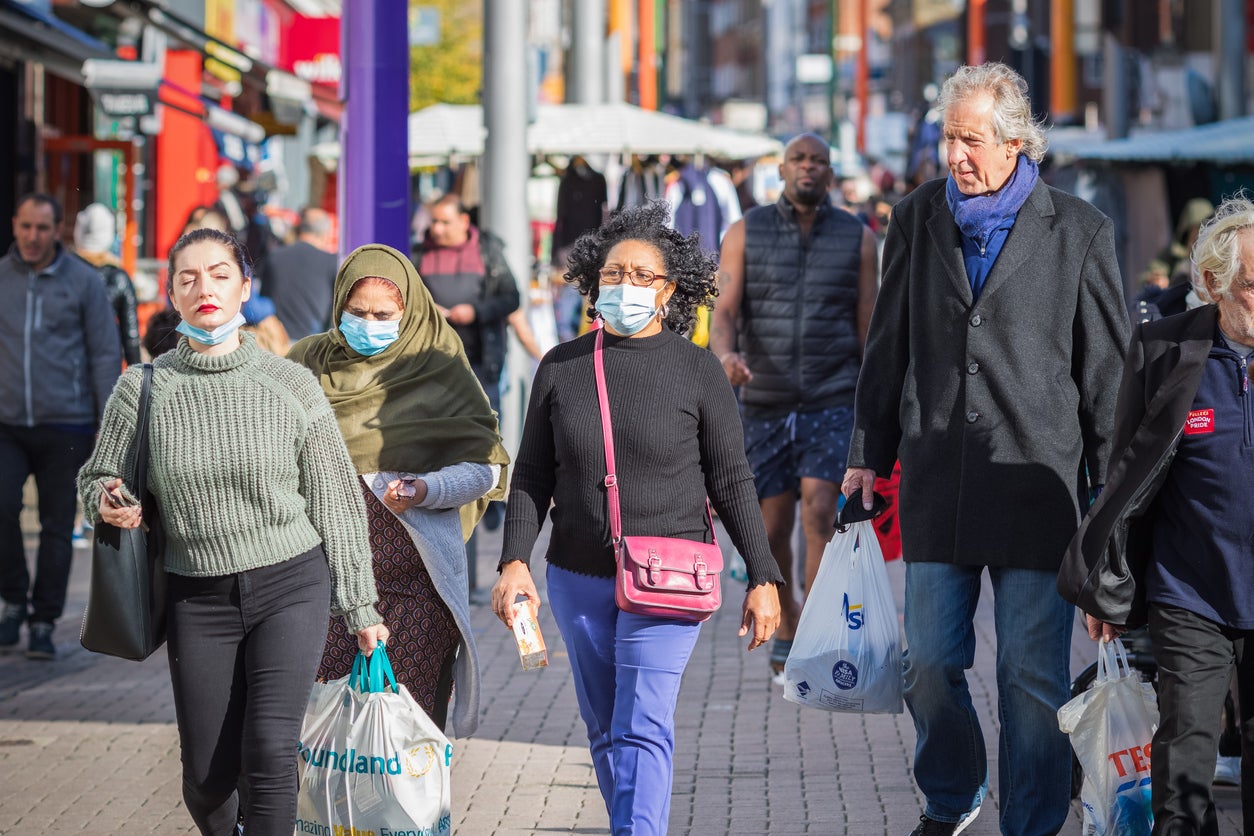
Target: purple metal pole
(373, 195)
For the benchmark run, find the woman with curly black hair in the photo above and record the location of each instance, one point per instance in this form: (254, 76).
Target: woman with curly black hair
(677, 434)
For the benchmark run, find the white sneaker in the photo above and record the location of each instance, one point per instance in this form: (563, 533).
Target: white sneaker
(966, 820)
(1228, 771)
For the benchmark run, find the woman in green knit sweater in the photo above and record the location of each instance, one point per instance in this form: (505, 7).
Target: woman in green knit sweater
(265, 533)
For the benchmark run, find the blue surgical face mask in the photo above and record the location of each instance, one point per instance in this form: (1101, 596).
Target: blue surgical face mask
(368, 336)
(217, 335)
(626, 309)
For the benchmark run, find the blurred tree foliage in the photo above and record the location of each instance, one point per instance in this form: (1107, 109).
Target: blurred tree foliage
(452, 70)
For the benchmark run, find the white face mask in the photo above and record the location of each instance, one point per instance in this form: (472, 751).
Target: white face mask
(626, 308)
(214, 337)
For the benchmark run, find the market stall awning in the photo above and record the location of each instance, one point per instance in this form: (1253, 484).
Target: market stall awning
(1228, 142)
(444, 130)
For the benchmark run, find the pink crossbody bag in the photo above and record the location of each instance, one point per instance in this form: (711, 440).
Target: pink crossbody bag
(665, 577)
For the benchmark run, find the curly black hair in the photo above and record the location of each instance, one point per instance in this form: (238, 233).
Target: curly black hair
(688, 265)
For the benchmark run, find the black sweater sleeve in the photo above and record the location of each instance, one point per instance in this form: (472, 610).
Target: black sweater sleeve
(531, 486)
(728, 478)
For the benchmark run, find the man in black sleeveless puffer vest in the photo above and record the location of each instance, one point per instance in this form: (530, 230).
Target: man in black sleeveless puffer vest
(797, 284)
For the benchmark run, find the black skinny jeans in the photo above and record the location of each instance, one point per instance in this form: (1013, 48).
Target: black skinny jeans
(244, 650)
(1195, 659)
(54, 457)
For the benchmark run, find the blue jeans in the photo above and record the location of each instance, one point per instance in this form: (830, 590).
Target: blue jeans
(1033, 627)
(627, 671)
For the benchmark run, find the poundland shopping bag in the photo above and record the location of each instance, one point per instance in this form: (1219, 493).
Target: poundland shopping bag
(1111, 726)
(370, 759)
(847, 653)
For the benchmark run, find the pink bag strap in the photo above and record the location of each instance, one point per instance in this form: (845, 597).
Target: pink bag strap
(607, 435)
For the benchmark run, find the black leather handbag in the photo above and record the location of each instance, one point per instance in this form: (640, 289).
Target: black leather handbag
(125, 615)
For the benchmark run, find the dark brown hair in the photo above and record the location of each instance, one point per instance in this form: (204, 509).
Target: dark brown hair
(238, 254)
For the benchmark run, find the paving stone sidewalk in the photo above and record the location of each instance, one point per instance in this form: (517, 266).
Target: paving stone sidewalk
(88, 745)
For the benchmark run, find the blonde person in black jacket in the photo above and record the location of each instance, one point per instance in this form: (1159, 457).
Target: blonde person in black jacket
(1168, 541)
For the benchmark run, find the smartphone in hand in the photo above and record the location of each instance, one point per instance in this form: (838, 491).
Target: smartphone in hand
(115, 497)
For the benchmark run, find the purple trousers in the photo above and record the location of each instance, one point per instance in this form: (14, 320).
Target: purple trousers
(627, 672)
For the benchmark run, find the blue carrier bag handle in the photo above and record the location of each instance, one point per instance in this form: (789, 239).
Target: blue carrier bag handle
(371, 674)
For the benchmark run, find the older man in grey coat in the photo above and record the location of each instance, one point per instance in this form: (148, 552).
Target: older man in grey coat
(991, 371)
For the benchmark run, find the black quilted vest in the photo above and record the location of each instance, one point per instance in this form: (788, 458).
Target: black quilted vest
(799, 314)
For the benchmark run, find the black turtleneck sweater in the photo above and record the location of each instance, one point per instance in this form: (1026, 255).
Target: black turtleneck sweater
(677, 438)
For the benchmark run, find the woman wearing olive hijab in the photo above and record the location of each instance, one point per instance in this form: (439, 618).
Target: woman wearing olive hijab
(425, 444)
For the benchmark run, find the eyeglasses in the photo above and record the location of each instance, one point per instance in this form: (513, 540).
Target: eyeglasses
(640, 278)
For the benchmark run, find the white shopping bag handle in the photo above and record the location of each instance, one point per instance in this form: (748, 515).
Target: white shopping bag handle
(1111, 656)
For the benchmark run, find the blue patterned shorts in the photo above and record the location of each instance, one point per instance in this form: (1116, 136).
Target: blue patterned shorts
(782, 451)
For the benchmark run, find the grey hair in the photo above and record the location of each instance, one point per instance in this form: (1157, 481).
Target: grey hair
(1012, 109)
(1217, 252)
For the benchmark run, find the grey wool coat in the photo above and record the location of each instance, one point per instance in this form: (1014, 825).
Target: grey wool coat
(1001, 409)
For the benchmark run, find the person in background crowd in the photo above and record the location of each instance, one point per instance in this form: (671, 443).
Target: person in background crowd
(228, 204)
(61, 356)
(95, 230)
(265, 534)
(261, 321)
(678, 440)
(741, 172)
(1169, 545)
(162, 334)
(465, 270)
(205, 217)
(990, 371)
(1178, 296)
(424, 443)
(797, 286)
(1176, 254)
(299, 278)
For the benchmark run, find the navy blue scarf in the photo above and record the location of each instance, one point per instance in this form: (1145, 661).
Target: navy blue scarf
(980, 215)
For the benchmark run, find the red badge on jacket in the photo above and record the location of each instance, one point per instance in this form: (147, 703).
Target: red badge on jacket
(1200, 422)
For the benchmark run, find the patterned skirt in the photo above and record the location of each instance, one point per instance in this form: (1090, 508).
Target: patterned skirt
(424, 636)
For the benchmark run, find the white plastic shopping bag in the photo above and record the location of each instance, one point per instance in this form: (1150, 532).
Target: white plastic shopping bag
(370, 759)
(847, 652)
(1111, 728)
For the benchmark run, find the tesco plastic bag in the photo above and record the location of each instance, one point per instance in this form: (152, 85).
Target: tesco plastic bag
(1111, 728)
(370, 760)
(847, 652)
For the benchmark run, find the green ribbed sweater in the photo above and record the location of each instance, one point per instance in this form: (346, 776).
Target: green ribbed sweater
(247, 465)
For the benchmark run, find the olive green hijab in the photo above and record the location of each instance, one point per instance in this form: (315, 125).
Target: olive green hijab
(415, 406)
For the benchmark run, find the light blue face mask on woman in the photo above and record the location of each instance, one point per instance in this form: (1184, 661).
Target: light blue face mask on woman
(368, 336)
(213, 337)
(626, 309)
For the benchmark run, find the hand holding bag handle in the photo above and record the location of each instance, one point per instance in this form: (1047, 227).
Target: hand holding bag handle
(666, 577)
(852, 511)
(125, 614)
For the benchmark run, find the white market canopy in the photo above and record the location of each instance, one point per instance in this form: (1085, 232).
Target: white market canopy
(444, 130)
